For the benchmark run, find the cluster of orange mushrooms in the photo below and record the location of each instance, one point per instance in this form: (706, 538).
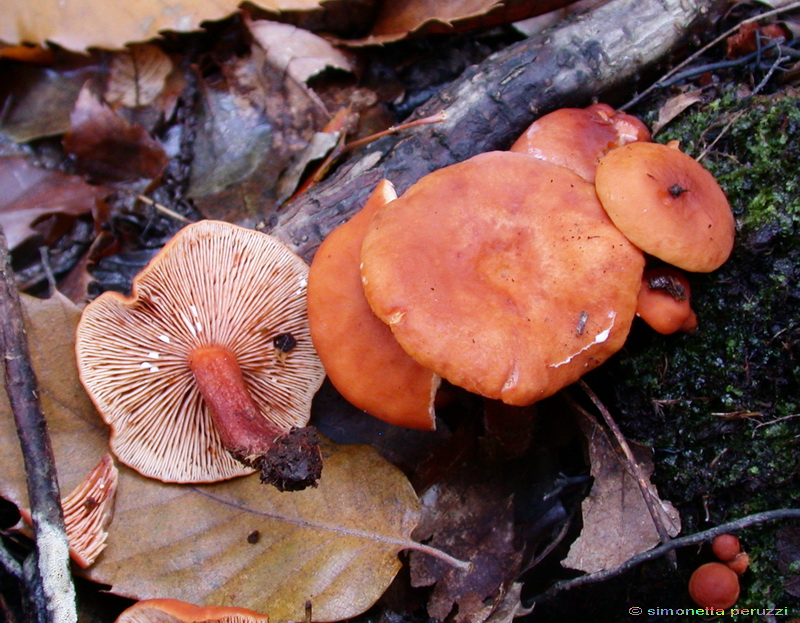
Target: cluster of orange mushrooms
(716, 584)
(510, 274)
(513, 273)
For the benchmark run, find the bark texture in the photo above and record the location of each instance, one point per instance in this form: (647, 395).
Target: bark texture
(493, 102)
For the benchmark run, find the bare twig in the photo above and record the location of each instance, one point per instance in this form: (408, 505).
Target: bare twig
(51, 570)
(665, 79)
(661, 550)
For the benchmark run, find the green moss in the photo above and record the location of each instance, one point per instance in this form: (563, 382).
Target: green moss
(720, 407)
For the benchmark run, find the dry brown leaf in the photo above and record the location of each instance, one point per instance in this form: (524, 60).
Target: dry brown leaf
(468, 513)
(299, 53)
(37, 101)
(109, 148)
(236, 543)
(28, 193)
(616, 522)
(82, 24)
(252, 122)
(397, 20)
(137, 76)
(674, 106)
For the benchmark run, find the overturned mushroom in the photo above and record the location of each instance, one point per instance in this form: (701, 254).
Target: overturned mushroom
(361, 356)
(667, 204)
(502, 274)
(207, 371)
(576, 138)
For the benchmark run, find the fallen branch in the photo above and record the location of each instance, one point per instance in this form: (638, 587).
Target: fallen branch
(51, 588)
(661, 550)
(592, 56)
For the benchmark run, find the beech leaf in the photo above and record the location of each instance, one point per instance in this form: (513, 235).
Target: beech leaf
(616, 522)
(236, 543)
(81, 24)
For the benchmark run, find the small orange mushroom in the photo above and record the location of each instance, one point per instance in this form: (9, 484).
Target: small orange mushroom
(503, 275)
(667, 204)
(664, 301)
(576, 138)
(175, 611)
(714, 585)
(739, 563)
(725, 547)
(361, 356)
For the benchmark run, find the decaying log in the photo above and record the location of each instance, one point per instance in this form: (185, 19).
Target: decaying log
(493, 102)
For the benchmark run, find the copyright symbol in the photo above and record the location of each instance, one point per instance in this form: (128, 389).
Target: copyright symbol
(636, 610)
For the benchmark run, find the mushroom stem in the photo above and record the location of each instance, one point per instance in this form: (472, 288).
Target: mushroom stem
(290, 459)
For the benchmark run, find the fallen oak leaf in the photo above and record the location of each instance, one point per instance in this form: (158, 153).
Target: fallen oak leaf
(29, 193)
(232, 543)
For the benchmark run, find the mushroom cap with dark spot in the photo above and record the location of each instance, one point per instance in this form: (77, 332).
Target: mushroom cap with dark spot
(667, 204)
(212, 283)
(502, 274)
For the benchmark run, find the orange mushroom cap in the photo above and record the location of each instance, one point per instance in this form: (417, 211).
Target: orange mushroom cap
(175, 611)
(502, 274)
(576, 138)
(665, 301)
(667, 204)
(361, 356)
(739, 563)
(213, 284)
(714, 585)
(725, 547)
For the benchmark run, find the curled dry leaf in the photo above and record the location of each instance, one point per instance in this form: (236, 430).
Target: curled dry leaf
(28, 194)
(297, 52)
(83, 24)
(616, 522)
(674, 106)
(234, 543)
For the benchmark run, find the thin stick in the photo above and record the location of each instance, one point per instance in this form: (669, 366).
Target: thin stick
(51, 548)
(632, 464)
(684, 541)
(163, 209)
